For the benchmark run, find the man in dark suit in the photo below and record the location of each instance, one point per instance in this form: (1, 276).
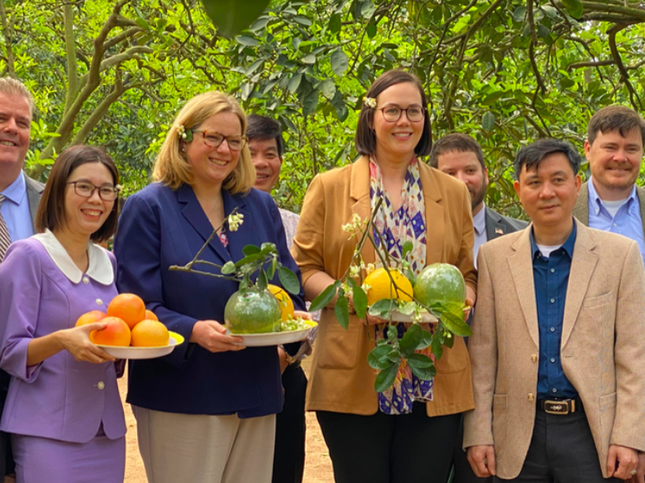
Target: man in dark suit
(460, 156)
(19, 197)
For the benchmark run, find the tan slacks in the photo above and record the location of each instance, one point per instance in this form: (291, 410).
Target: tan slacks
(178, 448)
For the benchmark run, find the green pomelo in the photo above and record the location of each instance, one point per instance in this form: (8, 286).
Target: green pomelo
(440, 282)
(253, 312)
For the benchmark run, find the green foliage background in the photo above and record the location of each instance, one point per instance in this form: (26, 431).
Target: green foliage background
(505, 71)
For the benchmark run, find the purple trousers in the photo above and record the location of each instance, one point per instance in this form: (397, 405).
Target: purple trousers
(42, 460)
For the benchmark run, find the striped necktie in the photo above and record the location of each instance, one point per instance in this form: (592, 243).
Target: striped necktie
(5, 239)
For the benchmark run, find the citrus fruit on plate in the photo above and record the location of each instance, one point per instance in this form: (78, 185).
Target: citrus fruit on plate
(129, 307)
(286, 304)
(174, 340)
(275, 338)
(440, 282)
(253, 312)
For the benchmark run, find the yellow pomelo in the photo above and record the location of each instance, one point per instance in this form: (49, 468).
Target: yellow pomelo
(286, 304)
(381, 286)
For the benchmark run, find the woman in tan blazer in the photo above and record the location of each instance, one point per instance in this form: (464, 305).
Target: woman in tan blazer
(403, 436)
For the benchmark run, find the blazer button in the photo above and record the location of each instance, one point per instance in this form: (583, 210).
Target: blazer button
(531, 397)
(99, 302)
(534, 357)
(101, 385)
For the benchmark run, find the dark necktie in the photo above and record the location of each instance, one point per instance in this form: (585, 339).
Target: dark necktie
(5, 239)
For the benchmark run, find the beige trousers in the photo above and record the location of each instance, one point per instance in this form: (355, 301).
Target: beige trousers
(183, 448)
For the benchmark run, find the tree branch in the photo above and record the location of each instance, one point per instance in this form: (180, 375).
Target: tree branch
(70, 51)
(8, 39)
(126, 34)
(633, 96)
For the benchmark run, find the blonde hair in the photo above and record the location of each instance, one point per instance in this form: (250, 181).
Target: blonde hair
(171, 167)
(12, 86)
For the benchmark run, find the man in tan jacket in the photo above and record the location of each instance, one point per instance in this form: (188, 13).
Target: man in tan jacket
(558, 350)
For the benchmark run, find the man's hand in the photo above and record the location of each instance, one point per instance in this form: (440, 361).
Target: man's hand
(482, 460)
(621, 461)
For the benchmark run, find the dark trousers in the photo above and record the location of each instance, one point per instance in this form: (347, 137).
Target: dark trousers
(462, 472)
(562, 449)
(7, 465)
(409, 448)
(289, 458)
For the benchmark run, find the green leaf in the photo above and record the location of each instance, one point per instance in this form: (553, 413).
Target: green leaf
(574, 7)
(294, 83)
(272, 268)
(260, 23)
(488, 121)
(407, 308)
(302, 20)
(519, 13)
(228, 268)
(377, 358)
(335, 23)
(410, 340)
(382, 308)
(386, 378)
(371, 29)
(324, 297)
(449, 341)
(247, 41)
(426, 340)
(392, 333)
(250, 250)
(262, 281)
(367, 9)
(289, 280)
(339, 62)
(309, 59)
(407, 248)
(341, 309)
(339, 104)
(360, 302)
(328, 88)
(232, 16)
(492, 97)
(421, 361)
(437, 344)
(249, 259)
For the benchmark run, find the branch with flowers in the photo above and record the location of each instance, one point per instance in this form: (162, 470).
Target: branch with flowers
(255, 259)
(391, 352)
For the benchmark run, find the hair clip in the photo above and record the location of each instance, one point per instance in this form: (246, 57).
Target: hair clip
(185, 134)
(369, 102)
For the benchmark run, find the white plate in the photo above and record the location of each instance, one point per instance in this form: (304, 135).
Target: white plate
(143, 352)
(425, 317)
(273, 338)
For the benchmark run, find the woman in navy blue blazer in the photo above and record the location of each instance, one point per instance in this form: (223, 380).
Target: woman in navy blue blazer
(206, 412)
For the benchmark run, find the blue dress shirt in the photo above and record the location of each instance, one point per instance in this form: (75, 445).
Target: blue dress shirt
(15, 210)
(627, 222)
(550, 277)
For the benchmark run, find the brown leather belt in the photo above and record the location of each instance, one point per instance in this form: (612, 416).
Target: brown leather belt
(560, 407)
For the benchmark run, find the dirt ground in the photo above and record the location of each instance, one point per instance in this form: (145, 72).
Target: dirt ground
(317, 462)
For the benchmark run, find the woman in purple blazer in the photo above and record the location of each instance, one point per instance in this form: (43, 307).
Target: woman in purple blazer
(63, 408)
(206, 412)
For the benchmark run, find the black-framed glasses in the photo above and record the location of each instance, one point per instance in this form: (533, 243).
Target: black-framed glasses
(213, 139)
(392, 113)
(86, 190)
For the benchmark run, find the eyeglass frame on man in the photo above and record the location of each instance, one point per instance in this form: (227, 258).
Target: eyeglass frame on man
(423, 111)
(114, 189)
(205, 134)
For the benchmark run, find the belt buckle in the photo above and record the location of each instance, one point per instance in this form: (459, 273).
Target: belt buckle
(559, 407)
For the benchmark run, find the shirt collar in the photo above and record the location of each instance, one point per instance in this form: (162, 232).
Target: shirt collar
(567, 246)
(100, 267)
(17, 190)
(479, 221)
(597, 201)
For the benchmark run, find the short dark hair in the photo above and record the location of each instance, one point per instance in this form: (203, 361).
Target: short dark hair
(456, 142)
(264, 128)
(530, 156)
(51, 210)
(365, 139)
(615, 118)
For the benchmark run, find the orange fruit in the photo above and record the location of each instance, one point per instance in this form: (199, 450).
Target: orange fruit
(90, 318)
(150, 315)
(286, 304)
(150, 333)
(116, 333)
(128, 307)
(381, 286)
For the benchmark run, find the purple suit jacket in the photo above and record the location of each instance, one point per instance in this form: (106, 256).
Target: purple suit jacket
(59, 398)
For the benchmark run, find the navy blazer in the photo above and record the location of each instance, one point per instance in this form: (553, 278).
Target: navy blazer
(160, 227)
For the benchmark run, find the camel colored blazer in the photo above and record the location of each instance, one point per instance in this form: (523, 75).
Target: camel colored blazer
(602, 347)
(341, 380)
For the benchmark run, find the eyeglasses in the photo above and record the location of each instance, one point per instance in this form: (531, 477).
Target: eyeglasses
(213, 139)
(393, 113)
(86, 190)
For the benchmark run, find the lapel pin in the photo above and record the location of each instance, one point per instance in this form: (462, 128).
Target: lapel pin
(499, 231)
